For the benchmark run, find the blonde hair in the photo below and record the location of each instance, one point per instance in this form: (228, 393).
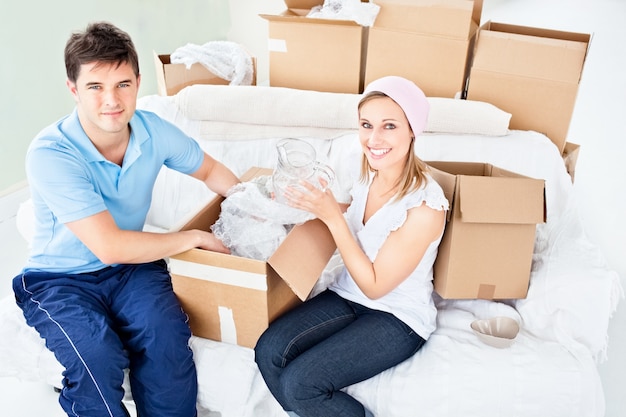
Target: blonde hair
(414, 172)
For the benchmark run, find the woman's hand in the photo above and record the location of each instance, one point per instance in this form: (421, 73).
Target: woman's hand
(319, 202)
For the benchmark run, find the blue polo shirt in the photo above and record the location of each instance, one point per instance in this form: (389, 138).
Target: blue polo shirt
(70, 180)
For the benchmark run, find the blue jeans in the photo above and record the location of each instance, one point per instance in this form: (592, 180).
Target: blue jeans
(310, 353)
(97, 324)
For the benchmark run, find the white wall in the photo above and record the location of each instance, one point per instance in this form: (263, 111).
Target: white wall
(32, 73)
(249, 29)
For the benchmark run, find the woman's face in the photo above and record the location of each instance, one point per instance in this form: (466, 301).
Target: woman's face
(385, 133)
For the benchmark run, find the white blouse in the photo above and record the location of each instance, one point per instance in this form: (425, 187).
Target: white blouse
(411, 301)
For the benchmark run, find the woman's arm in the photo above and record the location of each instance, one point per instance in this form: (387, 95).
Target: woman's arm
(396, 259)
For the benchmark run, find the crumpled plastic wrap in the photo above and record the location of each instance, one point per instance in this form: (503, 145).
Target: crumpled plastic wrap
(251, 223)
(228, 60)
(362, 13)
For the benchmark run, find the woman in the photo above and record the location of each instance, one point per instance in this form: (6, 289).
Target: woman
(380, 310)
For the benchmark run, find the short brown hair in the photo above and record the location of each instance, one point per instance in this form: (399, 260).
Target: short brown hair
(100, 42)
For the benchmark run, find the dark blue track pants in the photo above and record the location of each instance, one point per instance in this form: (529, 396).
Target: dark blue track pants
(97, 324)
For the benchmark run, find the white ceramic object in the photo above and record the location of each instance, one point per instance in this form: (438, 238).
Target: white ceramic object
(499, 332)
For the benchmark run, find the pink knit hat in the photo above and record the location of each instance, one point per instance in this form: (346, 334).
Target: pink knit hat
(409, 97)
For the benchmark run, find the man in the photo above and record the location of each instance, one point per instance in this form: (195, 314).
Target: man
(95, 286)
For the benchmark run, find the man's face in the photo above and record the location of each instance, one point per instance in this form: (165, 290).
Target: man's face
(106, 98)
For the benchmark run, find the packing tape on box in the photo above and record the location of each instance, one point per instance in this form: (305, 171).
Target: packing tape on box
(277, 45)
(228, 330)
(220, 275)
(486, 291)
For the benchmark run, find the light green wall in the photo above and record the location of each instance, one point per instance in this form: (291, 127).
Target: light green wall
(32, 73)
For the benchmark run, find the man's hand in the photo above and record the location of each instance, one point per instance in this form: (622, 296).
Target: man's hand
(212, 243)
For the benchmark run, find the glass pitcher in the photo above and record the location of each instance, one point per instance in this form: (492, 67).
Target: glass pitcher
(297, 160)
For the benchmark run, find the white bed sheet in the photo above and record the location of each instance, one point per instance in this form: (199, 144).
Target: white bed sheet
(453, 375)
(550, 370)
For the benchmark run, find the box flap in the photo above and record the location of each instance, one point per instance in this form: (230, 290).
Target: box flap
(308, 4)
(447, 18)
(159, 61)
(299, 16)
(302, 272)
(303, 4)
(538, 32)
(447, 182)
(531, 52)
(500, 200)
(477, 11)
(570, 157)
(461, 168)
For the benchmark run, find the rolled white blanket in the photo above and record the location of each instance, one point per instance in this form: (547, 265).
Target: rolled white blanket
(256, 112)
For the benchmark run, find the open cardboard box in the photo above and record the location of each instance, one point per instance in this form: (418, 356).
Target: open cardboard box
(487, 247)
(429, 42)
(233, 299)
(171, 78)
(315, 54)
(532, 73)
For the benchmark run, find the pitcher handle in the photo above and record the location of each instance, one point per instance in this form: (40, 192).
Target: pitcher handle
(326, 173)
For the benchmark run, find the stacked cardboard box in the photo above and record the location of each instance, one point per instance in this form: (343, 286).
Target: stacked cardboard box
(233, 299)
(426, 41)
(531, 73)
(315, 54)
(487, 247)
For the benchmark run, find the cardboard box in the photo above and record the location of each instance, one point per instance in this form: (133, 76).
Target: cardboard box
(531, 73)
(315, 54)
(487, 248)
(171, 78)
(570, 157)
(233, 299)
(426, 41)
(439, 66)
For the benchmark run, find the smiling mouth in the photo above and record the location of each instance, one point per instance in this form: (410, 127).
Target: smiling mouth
(379, 152)
(112, 112)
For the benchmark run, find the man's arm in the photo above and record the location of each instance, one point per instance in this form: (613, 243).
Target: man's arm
(215, 175)
(113, 245)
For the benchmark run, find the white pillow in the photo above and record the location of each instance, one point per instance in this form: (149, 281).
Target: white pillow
(449, 115)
